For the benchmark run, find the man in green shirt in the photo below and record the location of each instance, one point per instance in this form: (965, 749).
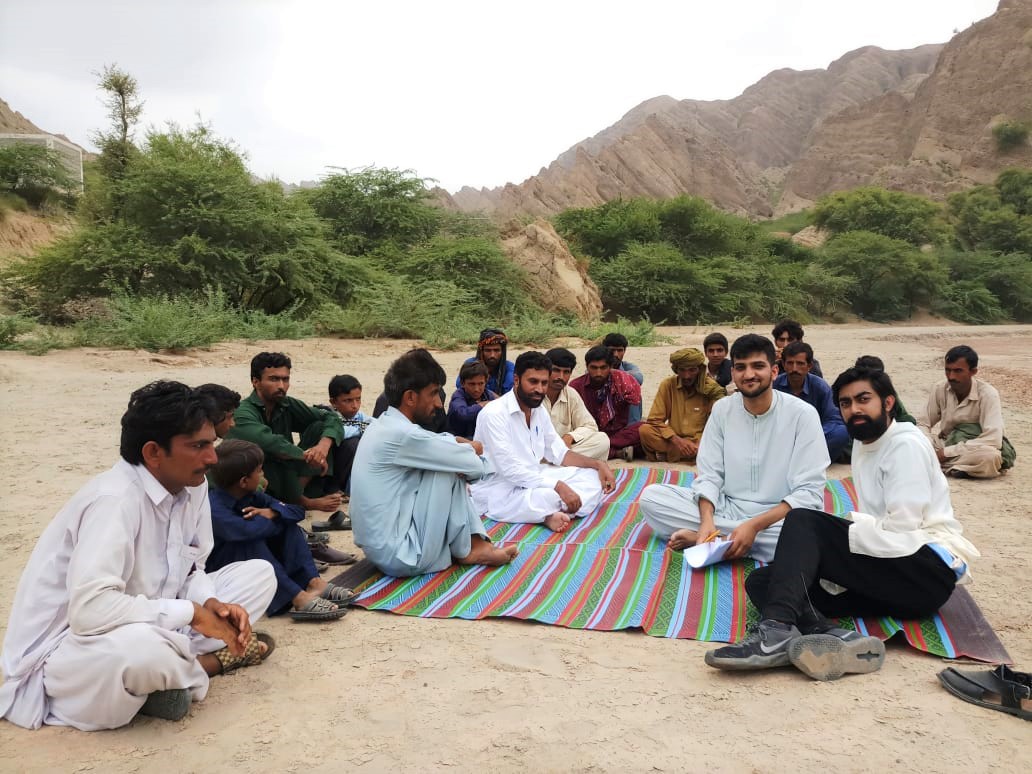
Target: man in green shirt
(269, 418)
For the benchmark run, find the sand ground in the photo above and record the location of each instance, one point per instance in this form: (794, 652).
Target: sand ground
(379, 692)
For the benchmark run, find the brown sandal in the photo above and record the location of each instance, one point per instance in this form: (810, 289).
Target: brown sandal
(252, 653)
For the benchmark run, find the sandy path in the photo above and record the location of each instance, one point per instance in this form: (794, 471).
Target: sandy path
(384, 692)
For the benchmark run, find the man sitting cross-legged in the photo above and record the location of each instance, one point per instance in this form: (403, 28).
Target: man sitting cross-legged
(609, 394)
(410, 505)
(517, 433)
(899, 554)
(249, 524)
(964, 421)
(683, 404)
(115, 613)
(762, 454)
(570, 417)
(797, 358)
(269, 417)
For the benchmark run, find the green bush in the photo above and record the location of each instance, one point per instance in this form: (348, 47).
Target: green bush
(968, 301)
(11, 327)
(892, 214)
(34, 172)
(1010, 135)
(792, 223)
(996, 217)
(607, 230)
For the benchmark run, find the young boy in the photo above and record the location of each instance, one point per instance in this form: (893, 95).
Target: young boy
(719, 364)
(346, 402)
(248, 524)
(467, 401)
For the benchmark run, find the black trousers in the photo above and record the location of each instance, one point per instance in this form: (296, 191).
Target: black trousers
(343, 459)
(814, 546)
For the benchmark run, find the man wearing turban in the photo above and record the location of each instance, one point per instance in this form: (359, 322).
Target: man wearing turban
(674, 426)
(491, 351)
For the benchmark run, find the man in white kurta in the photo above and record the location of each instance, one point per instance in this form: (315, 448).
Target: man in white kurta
(106, 609)
(570, 417)
(763, 453)
(517, 434)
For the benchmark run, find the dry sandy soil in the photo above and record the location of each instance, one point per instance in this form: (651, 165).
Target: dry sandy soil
(382, 692)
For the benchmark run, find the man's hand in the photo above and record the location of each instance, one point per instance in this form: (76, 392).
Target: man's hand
(483, 402)
(266, 513)
(941, 455)
(477, 446)
(316, 455)
(571, 500)
(605, 475)
(742, 539)
(686, 446)
(568, 440)
(706, 526)
(223, 621)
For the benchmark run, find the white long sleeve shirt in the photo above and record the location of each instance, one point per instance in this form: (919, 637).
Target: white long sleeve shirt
(756, 462)
(122, 550)
(904, 499)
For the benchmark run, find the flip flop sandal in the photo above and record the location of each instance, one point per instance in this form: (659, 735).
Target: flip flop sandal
(1001, 689)
(340, 595)
(252, 653)
(319, 609)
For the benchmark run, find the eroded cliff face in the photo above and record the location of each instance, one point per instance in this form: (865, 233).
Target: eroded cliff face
(917, 120)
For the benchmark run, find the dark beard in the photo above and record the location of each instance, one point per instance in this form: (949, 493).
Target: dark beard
(871, 430)
(530, 401)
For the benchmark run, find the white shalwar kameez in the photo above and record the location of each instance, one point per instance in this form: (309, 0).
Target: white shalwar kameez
(523, 488)
(747, 465)
(102, 613)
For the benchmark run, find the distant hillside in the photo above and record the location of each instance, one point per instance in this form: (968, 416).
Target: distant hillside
(917, 120)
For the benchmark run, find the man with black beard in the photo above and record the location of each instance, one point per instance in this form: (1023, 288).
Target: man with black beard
(899, 554)
(517, 434)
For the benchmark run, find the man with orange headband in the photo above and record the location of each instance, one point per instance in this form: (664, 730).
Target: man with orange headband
(491, 351)
(673, 429)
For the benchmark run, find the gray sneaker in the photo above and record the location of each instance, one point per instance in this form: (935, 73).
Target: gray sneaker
(172, 704)
(766, 646)
(836, 652)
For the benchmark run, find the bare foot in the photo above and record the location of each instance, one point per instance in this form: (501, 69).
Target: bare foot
(304, 597)
(327, 503)
(316, 584)
(558, 522)
(683, 538)
(484, 552)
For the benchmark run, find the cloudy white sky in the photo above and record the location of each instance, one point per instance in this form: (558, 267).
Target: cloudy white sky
(468, 93)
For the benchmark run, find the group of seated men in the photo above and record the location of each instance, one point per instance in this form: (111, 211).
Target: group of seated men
(147, 582)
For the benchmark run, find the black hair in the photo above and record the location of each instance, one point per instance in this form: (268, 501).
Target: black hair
(879, 380)
(791, 327)
(615, 340)
(264, 360)
(473, 368)
(415, 370)
(532, 361)
(237, 459)
(751, 344)
(343, 384)
(872, 362)
(964, 352)
(160, 411)
(562, 358)
(714, 338)
(599, 353)
(794, 348)
(226, 400)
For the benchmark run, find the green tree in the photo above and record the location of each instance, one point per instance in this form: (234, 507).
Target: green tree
(607, 230)
(33, 172)
(697, 228)
(1010, 135)
(892, 214)
(890, 277)
(996, 217)
(374, 210)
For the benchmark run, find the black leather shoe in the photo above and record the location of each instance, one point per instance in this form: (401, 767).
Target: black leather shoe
(332, 555)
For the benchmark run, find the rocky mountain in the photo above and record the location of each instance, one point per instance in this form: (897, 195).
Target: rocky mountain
(13, 122)
(918, 119)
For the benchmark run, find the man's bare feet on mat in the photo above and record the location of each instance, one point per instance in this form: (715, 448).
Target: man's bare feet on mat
(484, 552)
(327, 503)
(558, 522)
(683, 538)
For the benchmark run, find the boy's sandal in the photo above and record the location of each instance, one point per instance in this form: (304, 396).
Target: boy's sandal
(341, 595)
(319, 609)
(252, 653)
(1000, 688)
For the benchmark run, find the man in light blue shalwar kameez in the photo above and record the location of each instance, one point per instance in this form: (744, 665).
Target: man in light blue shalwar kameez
(410, 506)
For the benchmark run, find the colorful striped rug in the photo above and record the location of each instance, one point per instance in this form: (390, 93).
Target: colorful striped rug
(610, 572)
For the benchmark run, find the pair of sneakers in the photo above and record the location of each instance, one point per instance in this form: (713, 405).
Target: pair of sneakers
(825, 652)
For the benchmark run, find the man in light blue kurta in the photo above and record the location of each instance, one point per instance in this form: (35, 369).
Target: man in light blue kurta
(410, 507)
(762, 454)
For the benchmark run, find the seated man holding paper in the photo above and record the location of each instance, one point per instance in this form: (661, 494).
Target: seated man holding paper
(517, 433)
(763, 453)
(899, 554)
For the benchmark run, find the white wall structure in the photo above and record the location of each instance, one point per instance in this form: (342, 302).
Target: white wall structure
(71, 154)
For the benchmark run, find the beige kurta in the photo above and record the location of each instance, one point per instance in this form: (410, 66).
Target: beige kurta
(675, 412)
(980, 457)
(570, 416)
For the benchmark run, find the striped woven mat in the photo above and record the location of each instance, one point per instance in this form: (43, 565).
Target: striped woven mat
(609, 572)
